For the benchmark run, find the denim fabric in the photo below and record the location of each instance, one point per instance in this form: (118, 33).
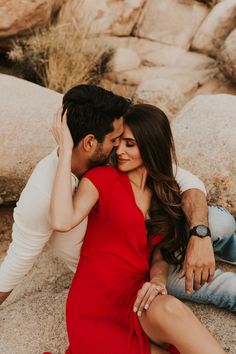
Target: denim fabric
(221, 292)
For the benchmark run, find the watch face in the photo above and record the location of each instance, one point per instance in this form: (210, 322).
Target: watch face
(201, 230)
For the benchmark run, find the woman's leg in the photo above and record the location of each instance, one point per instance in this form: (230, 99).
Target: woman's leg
(170, 321)
(157, 350)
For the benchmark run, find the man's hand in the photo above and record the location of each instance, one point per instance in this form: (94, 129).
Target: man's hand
(199, 263)
(3, 296)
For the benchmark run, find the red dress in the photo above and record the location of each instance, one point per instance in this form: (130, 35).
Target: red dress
(113, 266)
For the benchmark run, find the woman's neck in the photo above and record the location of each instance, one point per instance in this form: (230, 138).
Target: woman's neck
(138, 178)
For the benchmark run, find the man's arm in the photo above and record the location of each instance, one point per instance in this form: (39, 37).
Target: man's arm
(31, 231)
(199, 263)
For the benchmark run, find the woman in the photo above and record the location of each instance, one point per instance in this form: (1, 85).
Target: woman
(118, 302)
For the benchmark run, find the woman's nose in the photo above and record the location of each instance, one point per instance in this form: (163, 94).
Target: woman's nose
(119, 149)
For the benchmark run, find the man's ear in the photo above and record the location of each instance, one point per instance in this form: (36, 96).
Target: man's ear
(89, 143)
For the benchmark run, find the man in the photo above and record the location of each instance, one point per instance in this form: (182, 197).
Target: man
(94, 117)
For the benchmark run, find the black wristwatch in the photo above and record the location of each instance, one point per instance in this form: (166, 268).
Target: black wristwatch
(200, 231)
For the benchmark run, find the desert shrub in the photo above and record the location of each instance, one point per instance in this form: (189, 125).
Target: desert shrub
(60, 57)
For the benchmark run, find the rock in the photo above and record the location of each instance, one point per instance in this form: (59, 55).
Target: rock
(195, 61)
(186, 79)
(121, 90)
(162, 93)
(217, 85)
(215, 28)
(22, 15)
(104, 16)
(204, 132)
(124, 59)
(173, 56)
(26, 114)
(227, 57)
(173, 22)
(158, 54)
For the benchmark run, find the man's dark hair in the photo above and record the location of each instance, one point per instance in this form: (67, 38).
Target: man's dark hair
(92, 110)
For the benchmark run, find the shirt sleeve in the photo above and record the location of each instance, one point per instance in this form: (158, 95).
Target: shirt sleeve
(31, 231)
(186, 180)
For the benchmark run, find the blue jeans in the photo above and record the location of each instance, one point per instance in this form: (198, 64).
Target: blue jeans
(221, 292)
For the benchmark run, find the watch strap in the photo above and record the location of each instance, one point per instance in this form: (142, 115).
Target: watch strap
(194, 231)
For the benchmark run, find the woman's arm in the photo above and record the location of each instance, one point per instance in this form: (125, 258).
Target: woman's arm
(156, 285)
(67, 212)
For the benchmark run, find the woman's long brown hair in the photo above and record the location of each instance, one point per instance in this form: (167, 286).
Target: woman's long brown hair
(152, 132)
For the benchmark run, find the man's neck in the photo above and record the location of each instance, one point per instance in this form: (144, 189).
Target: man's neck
(79, 164)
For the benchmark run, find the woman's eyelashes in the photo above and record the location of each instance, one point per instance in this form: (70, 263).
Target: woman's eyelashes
(130, 144)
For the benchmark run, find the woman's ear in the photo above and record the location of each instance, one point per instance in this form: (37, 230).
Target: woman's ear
(89, 143)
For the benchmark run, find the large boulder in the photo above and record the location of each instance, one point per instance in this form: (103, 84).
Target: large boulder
(26, 114)
(103, 16)
(19, 16)
(227, 57)
(204, 132)
(185, 78)
(124, 59)
(165, 94)
(153, 53)
(173, 22)
(215, 28)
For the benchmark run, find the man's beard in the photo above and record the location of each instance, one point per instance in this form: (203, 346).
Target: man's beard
(98, 159)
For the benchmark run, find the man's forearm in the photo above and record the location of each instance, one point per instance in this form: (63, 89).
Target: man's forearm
(199, 262)
(194, 205)
(3, 296)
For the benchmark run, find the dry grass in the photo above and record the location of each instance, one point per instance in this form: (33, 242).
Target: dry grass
(60, 57)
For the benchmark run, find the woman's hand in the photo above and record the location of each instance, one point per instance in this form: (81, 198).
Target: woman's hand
(61, 131)
(146, 295)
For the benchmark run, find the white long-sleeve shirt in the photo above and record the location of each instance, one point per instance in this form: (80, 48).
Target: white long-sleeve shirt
(32, 230)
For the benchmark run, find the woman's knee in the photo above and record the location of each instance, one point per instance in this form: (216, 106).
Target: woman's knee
(166, 307)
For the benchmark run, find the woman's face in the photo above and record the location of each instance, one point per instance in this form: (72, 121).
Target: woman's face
(128, 155)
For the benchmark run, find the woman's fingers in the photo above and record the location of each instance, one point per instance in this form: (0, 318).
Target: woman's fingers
(153, 292)
(61, 131)
(146, 295)
(141, 293)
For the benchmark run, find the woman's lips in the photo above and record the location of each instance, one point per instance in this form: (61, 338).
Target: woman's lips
(121, 160)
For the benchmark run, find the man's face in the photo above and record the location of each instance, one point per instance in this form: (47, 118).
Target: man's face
(104, 149)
